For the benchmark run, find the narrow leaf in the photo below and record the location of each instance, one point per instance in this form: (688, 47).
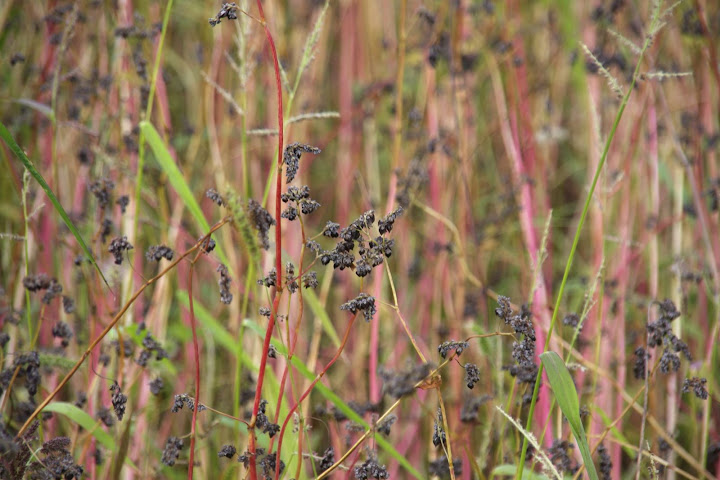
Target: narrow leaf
(567, 398)
(7, 136)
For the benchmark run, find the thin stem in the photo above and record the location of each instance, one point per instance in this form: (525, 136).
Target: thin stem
(114, 322)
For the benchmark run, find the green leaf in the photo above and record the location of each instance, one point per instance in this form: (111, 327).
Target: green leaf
(338, 402)
(82, 418)
(177, 180)
(510, 471)
(7, 136)
(567, 399)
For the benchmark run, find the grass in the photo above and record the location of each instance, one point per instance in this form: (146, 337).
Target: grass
(544, 191)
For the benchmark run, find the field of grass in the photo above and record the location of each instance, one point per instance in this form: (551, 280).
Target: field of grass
(359, 239)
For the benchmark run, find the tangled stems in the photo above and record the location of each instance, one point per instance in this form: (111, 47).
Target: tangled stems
(309, 389)
(278, 243)
(576, 240)
(114, 322)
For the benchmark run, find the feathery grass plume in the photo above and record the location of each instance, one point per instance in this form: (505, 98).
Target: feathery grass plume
(309, 49)
(665, 75)
(625, 41)
(612, 81)
(223, 93)
(540, 455)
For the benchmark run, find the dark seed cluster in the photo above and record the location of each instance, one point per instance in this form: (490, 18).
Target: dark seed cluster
(291, 158)
(471, 408)
(261, 220)
(227, 451)
(385, 426)
(300, 201)
(224, 284)
(403, 382)
(264, 422)
(660, 334)
(472, 375)
(270, 280)
(63, 331)
(119, 400)
(27, 366)
(441, 467)
(640, 365)
(171, 453)
(268, 464)
(327, 460)
(449, 346)
(290, 278)
(561, 456)
(363, 302)
(157, 252)
(439, 436)
(184, 399)
(310, 280)
(150, 347)
(156, 386)
(56, 462)
(371, 469)
(697, 385)
(118, 246)
(213, 195)
(524, 369)
(604, 462)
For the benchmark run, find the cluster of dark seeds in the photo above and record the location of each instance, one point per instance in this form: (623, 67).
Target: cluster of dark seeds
(472, 374)
(561, 456)
(371, 253)
(261, 221)
(363, 302)
(150, 347)
(268, 464)
(290, 278)
(604, 462)
(157, 252)
(56, 462)
(118, 246)
(123, 201)
(471, 408)
(270, 280)
(447, 347)
(227, 451)
(172, 451)
(300, 201)
(68, 304)
(310, 280)
(697, 385)
(103, 414)
(640, 366)
(27, 366)
(102, 190)
(228, 10)
(272, 352)
(119, 400)
(441, 467)
(291, 158)
(571, 320)
(265, 312)
(224, 284)
(403, 383)
(213, 195)
(524, 369)
(42, 281)
(385, 426)
(63, 331)
(264, 422)
(156, 386)
(371, 469)
(184, 399)
(660, 334)
(327, 460)
(439, 437)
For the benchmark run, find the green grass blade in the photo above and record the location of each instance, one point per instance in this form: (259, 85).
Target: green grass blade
(338, 403)
(10, 141)
(510, 470)
(319, 311)
(177, 180)
(564, 390)
(82, 418)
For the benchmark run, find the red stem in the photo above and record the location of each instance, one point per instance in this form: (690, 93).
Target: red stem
(278, 245)
(307, 392)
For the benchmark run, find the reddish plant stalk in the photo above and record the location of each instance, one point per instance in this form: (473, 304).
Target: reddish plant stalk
(278, 245)
(307, 392)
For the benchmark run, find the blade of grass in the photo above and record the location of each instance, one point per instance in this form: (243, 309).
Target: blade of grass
(338, 402)
(84, 419)
(10, 141)
(177, 180)
(564, 390)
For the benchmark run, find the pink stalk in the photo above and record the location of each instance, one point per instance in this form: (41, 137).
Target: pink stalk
(278, 246)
